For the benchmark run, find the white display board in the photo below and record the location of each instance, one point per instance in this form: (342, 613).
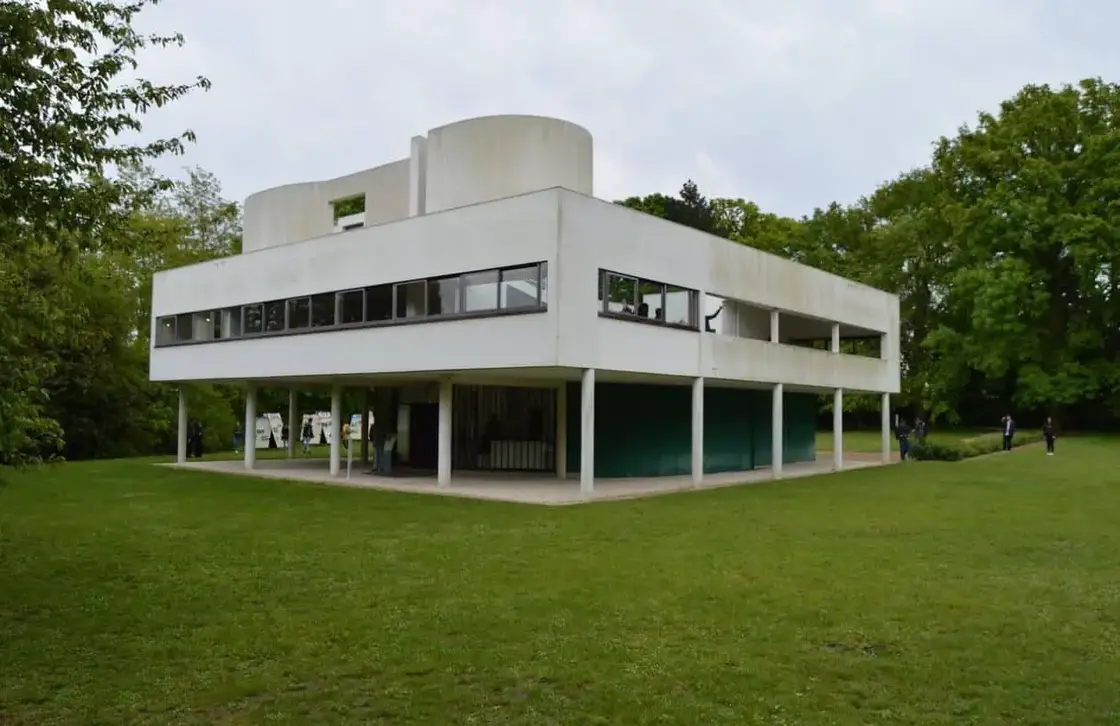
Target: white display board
(269, 428)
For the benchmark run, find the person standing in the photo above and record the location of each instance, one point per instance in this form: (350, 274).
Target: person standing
(902, 433)
(1008, 432)
(306, 435)
(284, 436)
(1048, 434)
(238, 436)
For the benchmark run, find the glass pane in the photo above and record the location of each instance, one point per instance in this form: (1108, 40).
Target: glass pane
(519, 288)
(165, 330)
(680, 308)
(203, 325)
(649, 298)
(544, 284)
(254, 318)
(184, 327)
(410, 299)
(231, 323)
(322, 310)
(621, 294)
(299, 313)
(350, 306)
(443, 295)
(379, 303)
(217, 327)
(274, 316)
(480, 291)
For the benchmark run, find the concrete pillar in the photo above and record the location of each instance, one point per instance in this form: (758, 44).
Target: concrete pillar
(886, 428)
(838, 429)
(250, 426)
(775, 326)
(836, 337)
(295, 422)
(181, 443)
(336, 430)
(365, 425)
(777, 430)
(587, 432)
(443, 470)
(562, 431)
(697, 431)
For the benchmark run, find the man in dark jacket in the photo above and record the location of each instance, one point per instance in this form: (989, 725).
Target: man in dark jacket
(902, 433)
(1048, 433)
(1008, 429)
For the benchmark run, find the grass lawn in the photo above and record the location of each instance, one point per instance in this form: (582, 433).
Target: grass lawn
(971, 593)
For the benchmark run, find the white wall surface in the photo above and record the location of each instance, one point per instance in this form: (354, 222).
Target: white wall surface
(467, 162)
(297, 212)
(514, 231)
(492, 157)
(577, 236)
(598, 235)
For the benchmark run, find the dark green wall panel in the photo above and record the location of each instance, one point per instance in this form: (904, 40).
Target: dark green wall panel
(646, 430)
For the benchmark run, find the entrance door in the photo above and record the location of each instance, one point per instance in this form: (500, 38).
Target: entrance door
(424, 436)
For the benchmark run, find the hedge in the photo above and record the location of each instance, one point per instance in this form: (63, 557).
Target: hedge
(957, 450)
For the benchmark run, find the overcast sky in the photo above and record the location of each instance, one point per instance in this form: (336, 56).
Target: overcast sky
(789, 103)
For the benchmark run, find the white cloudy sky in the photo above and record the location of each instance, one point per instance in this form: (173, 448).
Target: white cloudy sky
(790, 103)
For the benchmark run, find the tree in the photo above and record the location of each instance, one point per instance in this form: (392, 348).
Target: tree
(65, 102)
(689, 207)
(1033, 202)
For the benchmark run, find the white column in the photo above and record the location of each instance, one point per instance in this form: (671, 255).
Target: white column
(336, 430)
(777, 431)
(181, 444)
(838, 429)
(836, 337)
(295, 422)
(886, 428)
(697, 431)
(443, 471)
(587, 432)
(775, 329)
(562, 431)
(250, 426)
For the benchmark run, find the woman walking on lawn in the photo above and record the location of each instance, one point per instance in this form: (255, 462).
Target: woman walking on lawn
(1048, 433)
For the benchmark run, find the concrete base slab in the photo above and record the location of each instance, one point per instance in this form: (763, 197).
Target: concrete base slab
(516, 487)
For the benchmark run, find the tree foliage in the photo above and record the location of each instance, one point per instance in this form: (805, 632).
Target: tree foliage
(68, 101)
(1004, 251)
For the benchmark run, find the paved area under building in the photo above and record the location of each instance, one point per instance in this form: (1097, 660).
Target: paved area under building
(515, 487)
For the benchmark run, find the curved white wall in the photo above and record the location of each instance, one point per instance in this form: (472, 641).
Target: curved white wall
(492, 157)
(295, 212)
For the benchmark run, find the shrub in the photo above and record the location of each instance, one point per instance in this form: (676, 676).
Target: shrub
(951, 450)
(933, 450)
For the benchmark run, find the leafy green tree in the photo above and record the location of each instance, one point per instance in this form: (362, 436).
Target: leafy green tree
(66, 105)
(1033, 200)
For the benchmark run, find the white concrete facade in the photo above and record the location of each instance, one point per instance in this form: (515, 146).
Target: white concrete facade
(501, 192)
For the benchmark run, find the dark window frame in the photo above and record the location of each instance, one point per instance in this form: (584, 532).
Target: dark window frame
(338, 296)
(395, 320)
(245, 332)
(606, 312)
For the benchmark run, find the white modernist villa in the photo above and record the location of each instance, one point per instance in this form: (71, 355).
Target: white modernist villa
(506, 319)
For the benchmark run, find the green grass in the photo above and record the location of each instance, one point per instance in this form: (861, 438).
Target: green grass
(972, 593)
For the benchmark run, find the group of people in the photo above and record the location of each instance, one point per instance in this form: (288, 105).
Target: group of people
(1007, 427)
(903, 432)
